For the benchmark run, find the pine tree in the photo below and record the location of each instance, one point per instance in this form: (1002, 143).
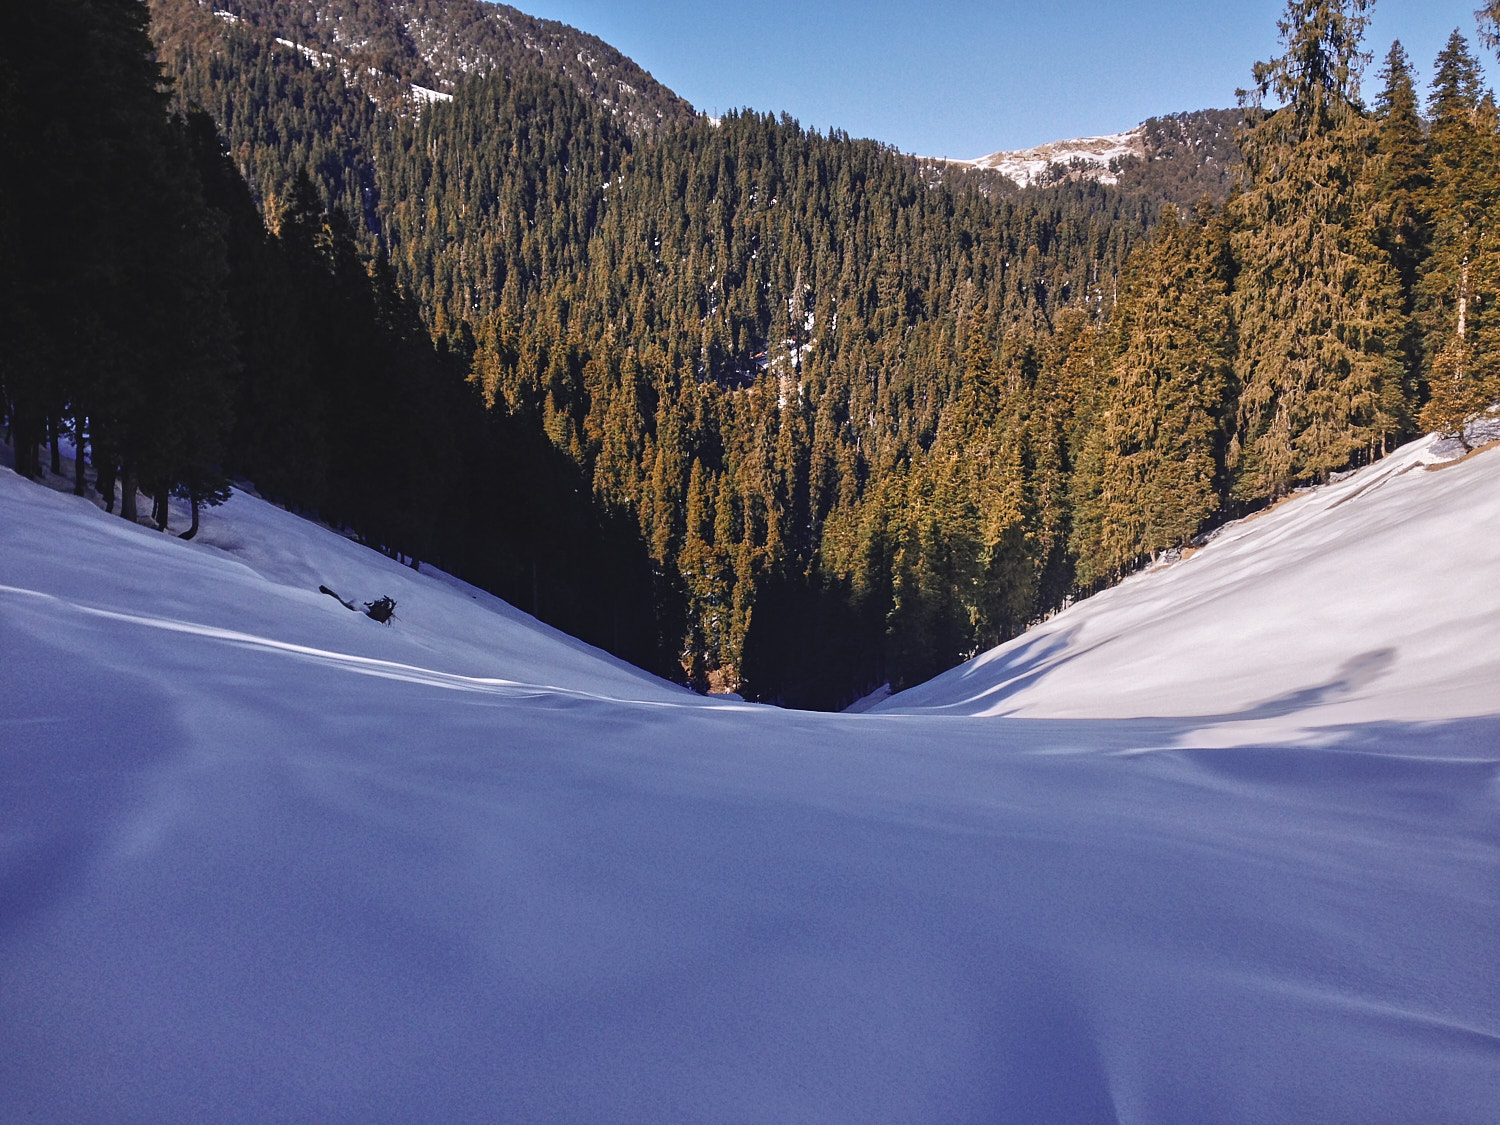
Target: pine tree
(1403, 181)
(1153, 466)
(1461, 279)
(1488, 15)
(1402, 191)
(179, 439)
(1316, 301)
(83, 120)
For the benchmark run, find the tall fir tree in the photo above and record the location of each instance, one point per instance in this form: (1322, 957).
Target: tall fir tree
(1317, 302)
(1460, 283)
(1402, 194)
(1403, 178)
(1152, 471)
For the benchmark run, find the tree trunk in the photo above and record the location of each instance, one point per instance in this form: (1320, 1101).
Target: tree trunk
(1463, 329)
(106, 481)
(54, 447)
(80, 477)
(1463, 300)
(161, 509)
(193, 529)
(127, 493)
(26, 437)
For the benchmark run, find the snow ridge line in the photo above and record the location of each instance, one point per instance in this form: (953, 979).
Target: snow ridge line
(361, 665)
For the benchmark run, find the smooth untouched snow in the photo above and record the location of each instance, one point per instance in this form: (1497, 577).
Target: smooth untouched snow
(1218, 845)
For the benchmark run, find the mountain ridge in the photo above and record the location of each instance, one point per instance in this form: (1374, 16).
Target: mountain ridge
(1182, 155)
(423, 50)
(437, 44)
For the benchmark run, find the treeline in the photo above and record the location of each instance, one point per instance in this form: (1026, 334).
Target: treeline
(152, 318)
(876, 426)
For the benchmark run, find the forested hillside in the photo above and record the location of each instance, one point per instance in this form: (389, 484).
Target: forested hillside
(388, 47)
(1188, 156)
(150, 317)
(767, 405)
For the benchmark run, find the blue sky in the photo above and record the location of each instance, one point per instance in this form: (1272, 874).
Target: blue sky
(963, 78)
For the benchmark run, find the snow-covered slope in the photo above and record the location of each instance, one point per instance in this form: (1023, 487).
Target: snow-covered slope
(264, 859)
(1092, 154)
(1376, 597)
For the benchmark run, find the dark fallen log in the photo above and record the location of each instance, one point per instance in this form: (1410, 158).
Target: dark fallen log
(341, 601)
(382, 609)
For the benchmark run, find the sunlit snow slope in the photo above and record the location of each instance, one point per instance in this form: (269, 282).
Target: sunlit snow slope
(1376, 597)
(1220, 845)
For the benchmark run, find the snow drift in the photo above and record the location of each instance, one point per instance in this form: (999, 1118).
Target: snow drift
(1218, 845)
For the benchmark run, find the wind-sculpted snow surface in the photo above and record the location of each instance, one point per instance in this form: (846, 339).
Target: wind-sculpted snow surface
(263, 859)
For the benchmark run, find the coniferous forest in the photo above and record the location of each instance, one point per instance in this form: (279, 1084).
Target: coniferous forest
(754, 406)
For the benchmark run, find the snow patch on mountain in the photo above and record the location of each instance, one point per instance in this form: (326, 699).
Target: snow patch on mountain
(424, 96)
(317, 58)
(1087, 157)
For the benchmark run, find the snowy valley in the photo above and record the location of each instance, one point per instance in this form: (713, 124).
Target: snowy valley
(1218, 844)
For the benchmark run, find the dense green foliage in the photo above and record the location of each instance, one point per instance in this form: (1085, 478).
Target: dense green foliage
(780, 410)
(1150, 461)
(1188, 156)
(1317, 299)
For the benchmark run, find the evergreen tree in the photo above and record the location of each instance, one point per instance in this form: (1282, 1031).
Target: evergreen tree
(1316, 301)
(1153, 469)
(82, 116)
(121, 325)
(1403, 180)
(1461, 278)
(1402, 192)
(1488, 15)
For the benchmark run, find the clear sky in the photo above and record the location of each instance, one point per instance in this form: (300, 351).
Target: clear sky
(963, 78)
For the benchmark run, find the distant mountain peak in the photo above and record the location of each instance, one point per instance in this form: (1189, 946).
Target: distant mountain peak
(1180, 158)
(1094, 158)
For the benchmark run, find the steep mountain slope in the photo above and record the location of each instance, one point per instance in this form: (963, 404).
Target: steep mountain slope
(436, 44)
(1180, 158)
(1088, 157)
(262, 858)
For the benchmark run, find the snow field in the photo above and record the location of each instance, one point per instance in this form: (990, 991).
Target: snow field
(1218, 845)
